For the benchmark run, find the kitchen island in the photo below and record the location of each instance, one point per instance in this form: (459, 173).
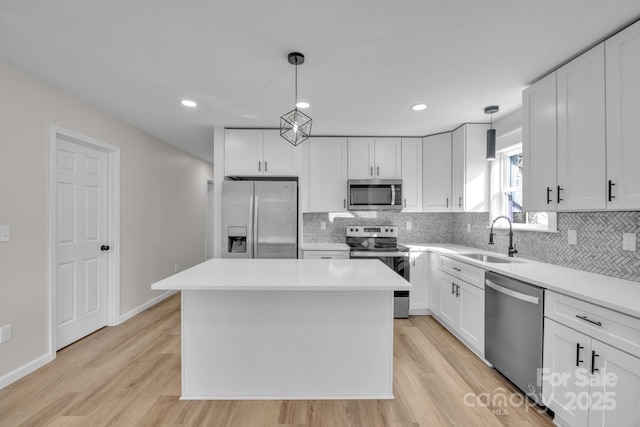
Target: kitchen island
(287, 329)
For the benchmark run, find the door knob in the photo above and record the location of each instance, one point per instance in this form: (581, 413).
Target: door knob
(104, 248)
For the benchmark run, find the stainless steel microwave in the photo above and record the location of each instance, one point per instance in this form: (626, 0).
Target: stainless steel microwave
(375, 194)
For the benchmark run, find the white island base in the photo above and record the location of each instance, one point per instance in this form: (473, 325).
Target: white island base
(324, 332)
(287, 345)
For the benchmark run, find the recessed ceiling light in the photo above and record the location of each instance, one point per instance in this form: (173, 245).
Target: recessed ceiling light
(419, 107)
(302, 104)
(188, 103)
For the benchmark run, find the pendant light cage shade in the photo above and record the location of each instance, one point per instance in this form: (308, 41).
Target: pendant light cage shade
(491, 144)
(295, 126)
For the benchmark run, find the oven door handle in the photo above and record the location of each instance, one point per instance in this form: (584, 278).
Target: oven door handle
(512, 293)
(378, 254)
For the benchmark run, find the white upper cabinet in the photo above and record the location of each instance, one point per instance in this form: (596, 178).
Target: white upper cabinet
(539, 141)
(457, 168)
(361, 158)
(327, 169)
(581, 133)
(623, 114)
(469, 169)
(257, 152)
(436, 173)
(412, 174)
(375, 158)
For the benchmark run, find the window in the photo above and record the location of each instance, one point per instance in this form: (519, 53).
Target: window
(508, 193)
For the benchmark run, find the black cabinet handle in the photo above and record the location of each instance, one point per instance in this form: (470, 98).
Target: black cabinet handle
(559, 190)
(104, 248)
(578, 348)
(593, 362)
(549, 190)
(453, 287)
(611, 196)
(457, 290)
(586, 319)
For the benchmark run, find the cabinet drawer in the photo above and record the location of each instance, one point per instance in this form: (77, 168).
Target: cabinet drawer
(325, 255)
(461, 270)
(608, 326)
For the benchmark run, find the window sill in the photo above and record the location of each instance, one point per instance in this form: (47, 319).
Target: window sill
(519, 227)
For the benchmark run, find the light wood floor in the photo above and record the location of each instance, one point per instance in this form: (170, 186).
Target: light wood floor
(129, 375)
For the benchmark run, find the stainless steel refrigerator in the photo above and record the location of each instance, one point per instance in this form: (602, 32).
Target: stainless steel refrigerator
(259, 219)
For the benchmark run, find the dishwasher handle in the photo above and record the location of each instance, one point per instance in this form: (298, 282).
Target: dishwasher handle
(512, 293)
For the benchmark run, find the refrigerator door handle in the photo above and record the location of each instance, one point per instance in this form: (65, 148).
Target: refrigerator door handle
(254, 219)
(250, 233)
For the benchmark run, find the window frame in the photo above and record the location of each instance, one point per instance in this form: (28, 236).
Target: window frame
(499, 202)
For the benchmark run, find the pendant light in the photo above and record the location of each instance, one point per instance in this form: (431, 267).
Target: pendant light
(491, 133)
(295, 126)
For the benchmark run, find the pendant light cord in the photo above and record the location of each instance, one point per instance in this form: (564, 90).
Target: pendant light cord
(296, 92)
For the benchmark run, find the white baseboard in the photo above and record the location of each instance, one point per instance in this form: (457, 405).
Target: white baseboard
(143, 307)
(420, 312)
(25, 370)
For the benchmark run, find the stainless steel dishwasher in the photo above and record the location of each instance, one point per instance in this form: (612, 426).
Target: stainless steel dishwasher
(513, 331)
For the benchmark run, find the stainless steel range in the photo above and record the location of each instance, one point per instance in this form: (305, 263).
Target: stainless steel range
(381, 242)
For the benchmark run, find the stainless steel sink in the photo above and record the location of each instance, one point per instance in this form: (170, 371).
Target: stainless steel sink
(494, 259)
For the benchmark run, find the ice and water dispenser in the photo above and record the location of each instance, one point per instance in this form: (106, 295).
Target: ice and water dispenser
(237, 240)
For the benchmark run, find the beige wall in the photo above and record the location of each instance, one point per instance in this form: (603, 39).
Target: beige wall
(162, 201)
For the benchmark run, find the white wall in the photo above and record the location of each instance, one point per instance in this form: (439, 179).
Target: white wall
(163, 199)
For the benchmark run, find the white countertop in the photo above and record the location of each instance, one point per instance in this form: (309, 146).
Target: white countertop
(324, 247)
(610, 292)
(286, 274)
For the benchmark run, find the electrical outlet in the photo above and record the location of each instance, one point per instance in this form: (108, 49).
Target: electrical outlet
(175, 268)
(5, 233)
(629, 242)
(573, 237)
(323, 225)
(5, 333)
(468, 228)
(408, 226)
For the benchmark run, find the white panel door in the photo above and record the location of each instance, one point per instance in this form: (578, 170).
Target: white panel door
(581, 133)
(565, 355)
(388, 158)
(472, 314)
(80, 231)
(244, 152)
(539, 141)
(449, 309)
(623, 111)
(458, 168)
(615, 396)
(281, 158)
(361, 158)
(436, 173)
(327, 174)
(412, 174)
(418, 278)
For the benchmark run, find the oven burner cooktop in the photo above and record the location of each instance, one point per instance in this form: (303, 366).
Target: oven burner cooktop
(374, 238)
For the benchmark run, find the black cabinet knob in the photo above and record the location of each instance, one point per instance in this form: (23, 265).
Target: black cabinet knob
(104, 248)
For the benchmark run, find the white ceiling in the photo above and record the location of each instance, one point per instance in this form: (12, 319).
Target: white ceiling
(367, 61)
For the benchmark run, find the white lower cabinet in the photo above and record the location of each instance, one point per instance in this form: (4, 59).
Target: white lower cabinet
(586, 381)
(433, 285)
(418, 276)
(461, 303)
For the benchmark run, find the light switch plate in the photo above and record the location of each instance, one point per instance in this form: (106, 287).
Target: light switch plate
(408, 226)
(629, 242)
(5, 233)
(573, 237)
(323, 225)
(468, 228)
(5, 333)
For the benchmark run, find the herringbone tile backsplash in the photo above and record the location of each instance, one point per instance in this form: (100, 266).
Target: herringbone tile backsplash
(599, 248)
